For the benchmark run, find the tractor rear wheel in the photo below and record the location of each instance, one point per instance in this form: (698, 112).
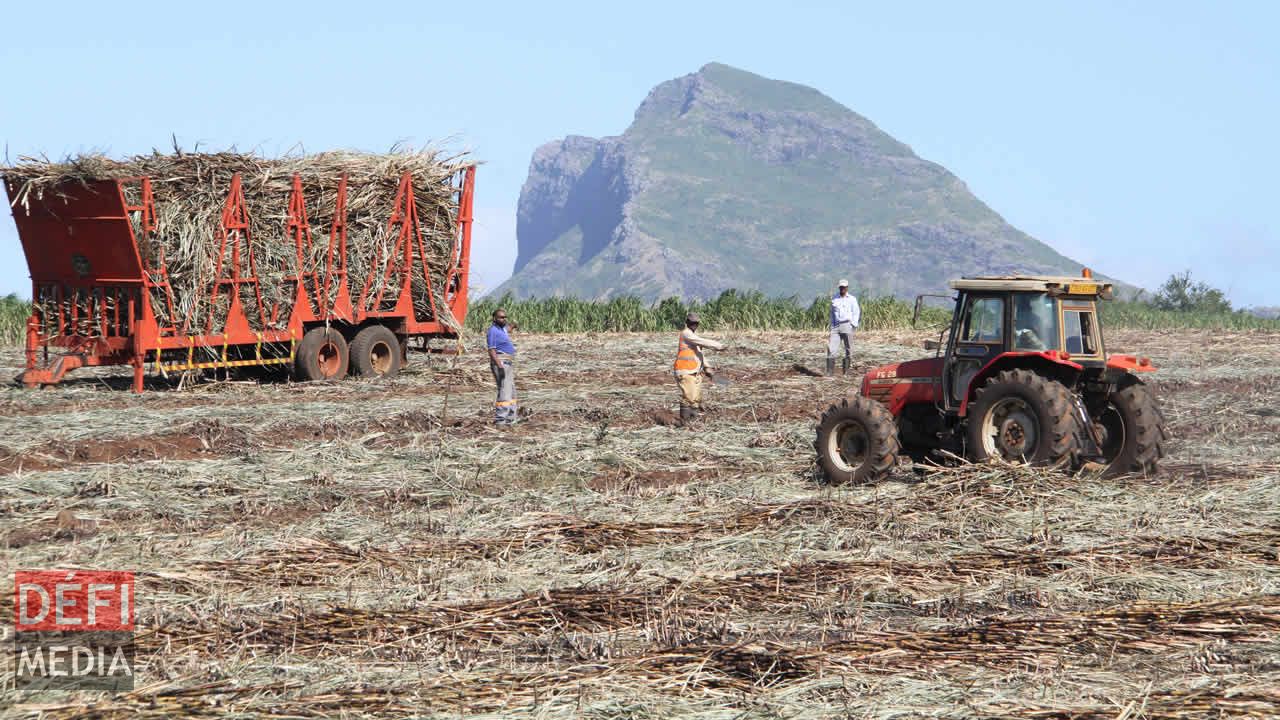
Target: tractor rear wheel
(1021, 417)
(322, 355)
(857, 442)
(375, 352)
(1132, 429)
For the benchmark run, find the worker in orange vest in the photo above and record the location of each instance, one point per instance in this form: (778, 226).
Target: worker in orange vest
(690, 366)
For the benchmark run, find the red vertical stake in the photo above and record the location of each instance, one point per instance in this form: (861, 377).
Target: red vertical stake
(337, 303)
(458, 304)
(139, 355)
(33, 339)
(408, 234)
(299, 227)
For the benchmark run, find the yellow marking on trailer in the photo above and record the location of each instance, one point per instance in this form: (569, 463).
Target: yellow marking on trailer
(221, 364)
(225, 361)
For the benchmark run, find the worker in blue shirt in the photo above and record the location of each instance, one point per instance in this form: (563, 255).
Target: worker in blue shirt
(502, 358)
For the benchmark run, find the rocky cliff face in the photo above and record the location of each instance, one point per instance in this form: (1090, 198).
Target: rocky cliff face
(729, 180)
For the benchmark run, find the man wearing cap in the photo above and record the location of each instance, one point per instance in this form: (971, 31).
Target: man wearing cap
(690, 366)
(845, 316)
(502, 357)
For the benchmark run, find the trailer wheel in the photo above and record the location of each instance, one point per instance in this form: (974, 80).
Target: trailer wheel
(857, 442)
(376, 352)
(322, 355)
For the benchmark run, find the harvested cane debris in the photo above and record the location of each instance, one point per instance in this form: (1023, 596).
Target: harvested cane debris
(191, 192)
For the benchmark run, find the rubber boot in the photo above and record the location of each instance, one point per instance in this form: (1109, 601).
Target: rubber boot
(844, 366)
(687, 413)
(831, 367)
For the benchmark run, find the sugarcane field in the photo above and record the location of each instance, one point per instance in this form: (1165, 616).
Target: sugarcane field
(378, 548)
(534, 361)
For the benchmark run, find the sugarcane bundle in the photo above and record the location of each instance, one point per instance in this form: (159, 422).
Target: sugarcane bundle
(190, 192)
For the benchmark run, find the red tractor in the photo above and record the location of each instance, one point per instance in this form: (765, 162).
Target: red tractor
(1021, 377)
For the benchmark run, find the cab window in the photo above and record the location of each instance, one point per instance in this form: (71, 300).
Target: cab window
(1078, 330)
(1035, 322)
(985, 321)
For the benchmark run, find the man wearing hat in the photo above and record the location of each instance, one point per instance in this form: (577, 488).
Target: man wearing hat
(690, 366)
(845, 315)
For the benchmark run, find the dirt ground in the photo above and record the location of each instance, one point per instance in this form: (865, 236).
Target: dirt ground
(380, 549)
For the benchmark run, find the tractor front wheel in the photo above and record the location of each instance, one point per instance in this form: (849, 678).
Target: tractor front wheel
(322, 355)
(1132, 430)
(1021, 417)
(857, 442)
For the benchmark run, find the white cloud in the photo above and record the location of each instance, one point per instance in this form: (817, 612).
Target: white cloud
(493, 247)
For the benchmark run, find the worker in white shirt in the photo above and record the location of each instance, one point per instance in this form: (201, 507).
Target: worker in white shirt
(845, 316)
(690, 366)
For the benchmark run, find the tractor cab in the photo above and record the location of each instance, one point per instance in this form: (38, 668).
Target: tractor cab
(1025, 320)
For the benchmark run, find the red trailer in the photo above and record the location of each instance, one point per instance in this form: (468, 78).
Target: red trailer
(98, 295)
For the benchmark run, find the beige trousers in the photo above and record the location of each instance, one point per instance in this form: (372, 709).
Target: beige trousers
(690, 390)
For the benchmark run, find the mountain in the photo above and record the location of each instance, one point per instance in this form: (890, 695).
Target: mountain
(726, 179)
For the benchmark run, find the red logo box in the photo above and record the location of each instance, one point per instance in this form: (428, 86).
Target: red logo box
(73, 600)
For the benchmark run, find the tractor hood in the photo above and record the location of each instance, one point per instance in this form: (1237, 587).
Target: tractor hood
(1130, 363)
(899, 384)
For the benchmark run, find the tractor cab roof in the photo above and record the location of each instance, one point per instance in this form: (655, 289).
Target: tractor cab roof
(1035, 283)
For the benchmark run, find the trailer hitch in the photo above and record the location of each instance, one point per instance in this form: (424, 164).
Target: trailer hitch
(53, 374)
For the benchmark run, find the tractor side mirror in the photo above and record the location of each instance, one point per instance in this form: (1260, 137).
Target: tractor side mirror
(919, 306)
(932, 345)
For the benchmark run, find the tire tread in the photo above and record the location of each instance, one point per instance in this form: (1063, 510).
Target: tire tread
(1061, 425)
(882, 433)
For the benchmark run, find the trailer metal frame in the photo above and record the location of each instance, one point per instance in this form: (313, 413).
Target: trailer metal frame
(82, 240)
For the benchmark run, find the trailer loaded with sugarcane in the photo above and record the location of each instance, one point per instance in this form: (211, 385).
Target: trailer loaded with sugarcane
(323, 264)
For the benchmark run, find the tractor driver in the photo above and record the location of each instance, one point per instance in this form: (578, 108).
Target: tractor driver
(1035, 324)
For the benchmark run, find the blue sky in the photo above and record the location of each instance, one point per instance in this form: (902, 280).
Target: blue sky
(1140, 138)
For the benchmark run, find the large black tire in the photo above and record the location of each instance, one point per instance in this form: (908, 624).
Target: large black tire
(322, 355)
(1019, 416)
(376, 352)
(1133, 430)
(857, 442)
